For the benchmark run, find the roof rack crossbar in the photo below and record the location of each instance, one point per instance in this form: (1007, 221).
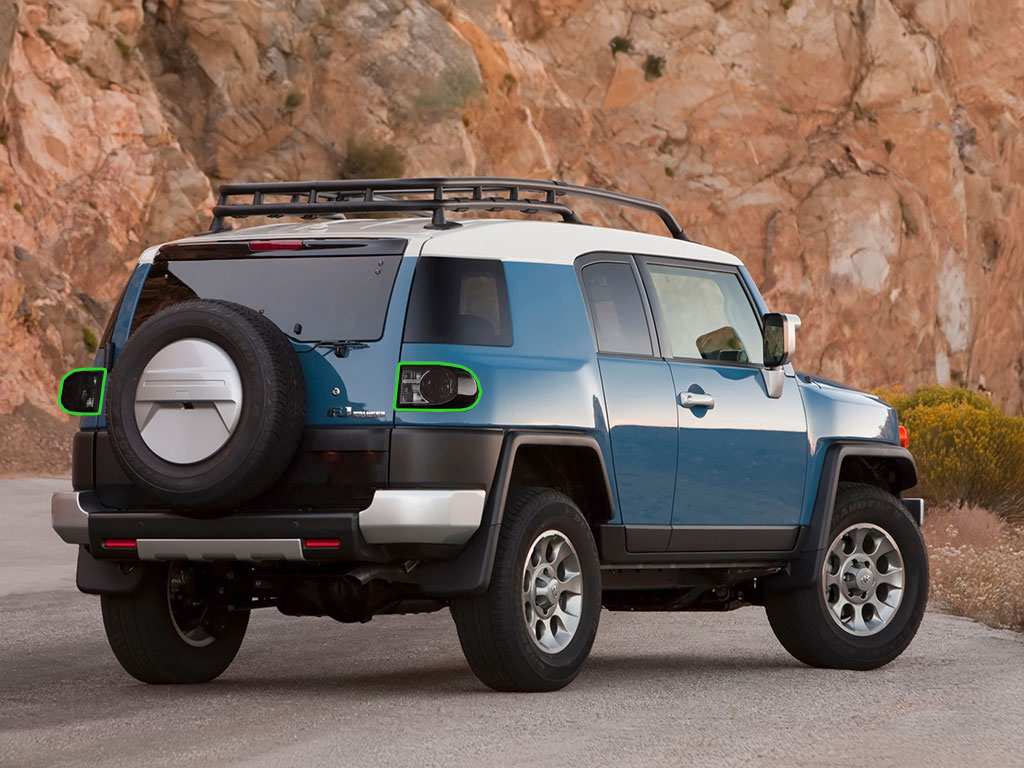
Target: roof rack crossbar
(309, 199)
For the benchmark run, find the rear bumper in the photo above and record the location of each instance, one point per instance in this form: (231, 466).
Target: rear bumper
(430, 522)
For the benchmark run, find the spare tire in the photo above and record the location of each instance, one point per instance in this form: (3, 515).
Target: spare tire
(206, 405)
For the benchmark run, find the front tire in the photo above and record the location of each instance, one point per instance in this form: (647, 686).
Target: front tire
(868, 600)
(535, 625)
(171, 629)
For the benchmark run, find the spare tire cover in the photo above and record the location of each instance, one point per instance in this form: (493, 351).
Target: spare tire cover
(206, 405)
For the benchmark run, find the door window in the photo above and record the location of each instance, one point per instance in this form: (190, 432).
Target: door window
(708, 314)
(616, 309)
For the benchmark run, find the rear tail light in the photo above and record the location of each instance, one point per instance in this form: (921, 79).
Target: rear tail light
(81, 391)
(904, 437)
(435, 387)
(323, 543)
(119, 544)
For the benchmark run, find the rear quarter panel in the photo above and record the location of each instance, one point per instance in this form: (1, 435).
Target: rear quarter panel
(547, 379)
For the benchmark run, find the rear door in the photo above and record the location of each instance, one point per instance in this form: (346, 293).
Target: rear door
(331, 298)
(638, 391)
(741, 454)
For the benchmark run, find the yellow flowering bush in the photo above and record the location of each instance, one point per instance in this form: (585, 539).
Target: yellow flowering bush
(967, 451)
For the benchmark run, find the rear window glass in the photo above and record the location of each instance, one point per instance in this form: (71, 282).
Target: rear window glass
(308, 298)
(458, 301)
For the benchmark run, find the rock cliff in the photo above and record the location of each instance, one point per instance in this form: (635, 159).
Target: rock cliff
(864, 157)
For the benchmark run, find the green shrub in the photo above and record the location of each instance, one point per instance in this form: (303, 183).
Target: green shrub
(452, 90)
(620, 44)
(294, 100)
(967, 451)
(654, 66)
(371, 160)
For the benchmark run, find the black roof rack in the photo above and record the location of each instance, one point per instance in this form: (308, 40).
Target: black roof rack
(310, 199)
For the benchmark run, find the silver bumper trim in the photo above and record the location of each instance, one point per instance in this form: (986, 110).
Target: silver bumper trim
(394, 517)
(422, 517)
(209, 550)
(69, 520)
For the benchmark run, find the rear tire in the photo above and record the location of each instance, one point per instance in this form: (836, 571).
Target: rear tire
(534, 626)
(154, 646)
(873, 545)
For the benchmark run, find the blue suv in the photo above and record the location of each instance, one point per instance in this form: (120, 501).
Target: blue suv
(523, 421)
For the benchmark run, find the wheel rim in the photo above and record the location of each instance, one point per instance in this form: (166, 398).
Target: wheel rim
(188, 401)
(189, 614)
(862, 579)
(552, 592)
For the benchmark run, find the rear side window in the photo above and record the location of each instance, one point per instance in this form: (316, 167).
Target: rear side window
(616, 309)
(458, 301)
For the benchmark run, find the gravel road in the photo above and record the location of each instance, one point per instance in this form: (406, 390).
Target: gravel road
(659, 690)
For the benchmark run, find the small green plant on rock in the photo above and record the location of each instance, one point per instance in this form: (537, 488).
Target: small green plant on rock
(368, 159)
(89, 339)
(124, 48)
(620, 44)
(654, 66)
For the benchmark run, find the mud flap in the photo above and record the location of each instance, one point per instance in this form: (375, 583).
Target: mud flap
(107, 577)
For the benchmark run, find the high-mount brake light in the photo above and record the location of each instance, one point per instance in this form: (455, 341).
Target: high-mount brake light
(435, 387)
(904, 437)
(275, 245)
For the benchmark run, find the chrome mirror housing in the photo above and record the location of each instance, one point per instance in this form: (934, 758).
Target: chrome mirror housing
(779, 338)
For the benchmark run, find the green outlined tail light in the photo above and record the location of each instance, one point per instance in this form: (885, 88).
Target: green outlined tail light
(435, 387)
(81, 391)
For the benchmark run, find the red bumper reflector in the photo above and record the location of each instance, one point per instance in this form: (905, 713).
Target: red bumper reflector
(275, 245)
(119, 544)
(323, 543)
(904, 437)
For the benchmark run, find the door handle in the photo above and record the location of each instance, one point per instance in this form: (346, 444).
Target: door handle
(696, 400)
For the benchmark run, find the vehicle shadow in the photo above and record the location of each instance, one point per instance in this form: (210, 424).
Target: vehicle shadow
(599, 672)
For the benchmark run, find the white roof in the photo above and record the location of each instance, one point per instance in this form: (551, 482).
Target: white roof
(547, 242)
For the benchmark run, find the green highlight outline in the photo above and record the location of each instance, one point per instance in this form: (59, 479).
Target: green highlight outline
(103, 391)
(398, 379)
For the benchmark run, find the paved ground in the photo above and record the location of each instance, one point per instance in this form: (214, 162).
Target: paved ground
(659, 690)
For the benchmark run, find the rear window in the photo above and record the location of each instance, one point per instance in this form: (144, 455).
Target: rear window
(309, 298)
(458, 301)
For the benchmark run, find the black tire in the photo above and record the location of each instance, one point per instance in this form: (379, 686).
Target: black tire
(802, 620)
(493, 628)
(149, 645)
(269, 425)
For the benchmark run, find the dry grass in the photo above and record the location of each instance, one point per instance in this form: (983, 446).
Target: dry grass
(977, 564)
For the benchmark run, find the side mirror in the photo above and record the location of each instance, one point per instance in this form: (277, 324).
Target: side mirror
(81, 391)
(779, 339)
